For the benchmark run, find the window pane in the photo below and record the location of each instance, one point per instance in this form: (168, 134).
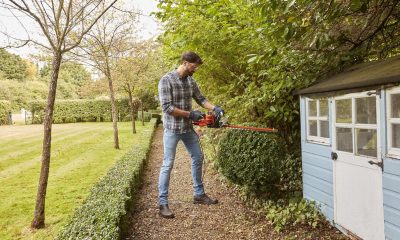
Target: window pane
(323, 108)
(366, 142)
(344, 139)
(313, 128)
(395, 102)
(324, 129)
(343, 111)
(312, 108)
(396, 135)
(366, 110)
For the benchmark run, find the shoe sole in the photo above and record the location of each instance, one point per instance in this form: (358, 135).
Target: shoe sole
(167, 216)
(198, 202)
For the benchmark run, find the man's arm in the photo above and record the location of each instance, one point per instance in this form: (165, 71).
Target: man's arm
(176, 112)
(207, 105)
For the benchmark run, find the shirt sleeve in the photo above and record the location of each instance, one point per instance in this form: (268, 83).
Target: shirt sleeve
(197, 95)
(165, 95)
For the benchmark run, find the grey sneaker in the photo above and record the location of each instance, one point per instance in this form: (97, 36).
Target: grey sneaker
(165, 212)
(204, 199)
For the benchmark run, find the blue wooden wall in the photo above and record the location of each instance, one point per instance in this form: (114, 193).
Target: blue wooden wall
(317, 170)
(391, 182)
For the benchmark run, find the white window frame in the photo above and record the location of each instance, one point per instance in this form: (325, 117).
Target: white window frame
(318, 118)
(392, 152)
(353, 125)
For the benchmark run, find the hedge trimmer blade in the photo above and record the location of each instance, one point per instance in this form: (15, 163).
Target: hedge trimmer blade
(216, 121)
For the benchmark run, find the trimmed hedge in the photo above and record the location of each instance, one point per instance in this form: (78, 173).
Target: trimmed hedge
(252, 159)
(81, 110)
(5, 109)
(103, 215)
(146, 116)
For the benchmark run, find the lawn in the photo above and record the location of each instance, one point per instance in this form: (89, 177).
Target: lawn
(81, 154)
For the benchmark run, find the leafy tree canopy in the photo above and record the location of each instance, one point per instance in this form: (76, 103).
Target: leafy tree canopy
(257, 53)
(12, 66)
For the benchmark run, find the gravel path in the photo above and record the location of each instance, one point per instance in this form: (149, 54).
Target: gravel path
(229, 219)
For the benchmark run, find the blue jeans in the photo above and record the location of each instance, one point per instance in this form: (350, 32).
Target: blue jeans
(191, 142)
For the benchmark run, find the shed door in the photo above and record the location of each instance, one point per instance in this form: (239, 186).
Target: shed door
(357, 176)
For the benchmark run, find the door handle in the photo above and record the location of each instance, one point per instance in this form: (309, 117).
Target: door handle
(379, 164)
(334, 156)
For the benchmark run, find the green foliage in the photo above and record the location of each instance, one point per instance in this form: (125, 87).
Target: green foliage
(258, 53)
(268, 176)
(252, 159)
(297, 211)
(102, 214)
(71, 79)
(80, 110)
(146, 116)
(20, 93)
(148, 99)
(12, 66)
(5, 109)
(291, 173)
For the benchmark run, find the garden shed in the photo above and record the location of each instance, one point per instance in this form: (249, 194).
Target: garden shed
(350, 136)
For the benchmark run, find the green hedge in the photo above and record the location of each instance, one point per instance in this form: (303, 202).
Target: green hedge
(82, 110)
(5, 109)
(146, 116)
(252, 159)
(103, 215)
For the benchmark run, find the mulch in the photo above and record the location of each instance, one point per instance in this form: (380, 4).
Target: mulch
(229, 219)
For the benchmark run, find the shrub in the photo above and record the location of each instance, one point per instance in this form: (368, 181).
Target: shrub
(82, 110)
(103, 214)
(296, 211)
(5, 109)
(251, 159)
(146, 116)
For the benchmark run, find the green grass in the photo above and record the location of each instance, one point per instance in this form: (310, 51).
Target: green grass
(81, 154)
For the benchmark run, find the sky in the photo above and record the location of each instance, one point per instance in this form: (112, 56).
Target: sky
(150, 26)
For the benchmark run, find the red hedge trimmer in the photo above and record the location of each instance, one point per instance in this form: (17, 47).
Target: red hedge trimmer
(215, 121)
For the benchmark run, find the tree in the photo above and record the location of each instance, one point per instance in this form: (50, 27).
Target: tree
(109, 40)
(12, 66)
(72, 77)
(63, 24)
(138, 73)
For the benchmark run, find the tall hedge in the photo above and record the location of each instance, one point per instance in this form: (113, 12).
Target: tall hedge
(252, 159)
(5, 108)
(81, 110)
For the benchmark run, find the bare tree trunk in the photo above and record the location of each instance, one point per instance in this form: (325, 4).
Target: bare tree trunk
(38, 219)
(113, 109)
(141, 104)
(132, 112)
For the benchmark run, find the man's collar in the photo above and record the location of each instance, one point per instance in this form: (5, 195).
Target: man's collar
(176, 74)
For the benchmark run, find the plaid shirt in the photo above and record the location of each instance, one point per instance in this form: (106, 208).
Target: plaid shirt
(178, 92)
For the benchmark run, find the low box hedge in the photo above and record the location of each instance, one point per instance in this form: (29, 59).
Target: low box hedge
(103, 215)
(5, 109)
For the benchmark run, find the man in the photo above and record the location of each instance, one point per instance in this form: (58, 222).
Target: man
(176, 90)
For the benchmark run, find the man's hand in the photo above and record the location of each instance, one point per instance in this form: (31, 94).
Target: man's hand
(218, 110)
(196, 115)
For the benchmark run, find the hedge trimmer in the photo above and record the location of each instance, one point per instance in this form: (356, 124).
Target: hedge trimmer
(215, 121)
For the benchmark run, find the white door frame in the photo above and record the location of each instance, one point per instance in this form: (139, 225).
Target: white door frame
(352, 157)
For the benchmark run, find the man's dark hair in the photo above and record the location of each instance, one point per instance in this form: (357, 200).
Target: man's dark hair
(191, 57)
